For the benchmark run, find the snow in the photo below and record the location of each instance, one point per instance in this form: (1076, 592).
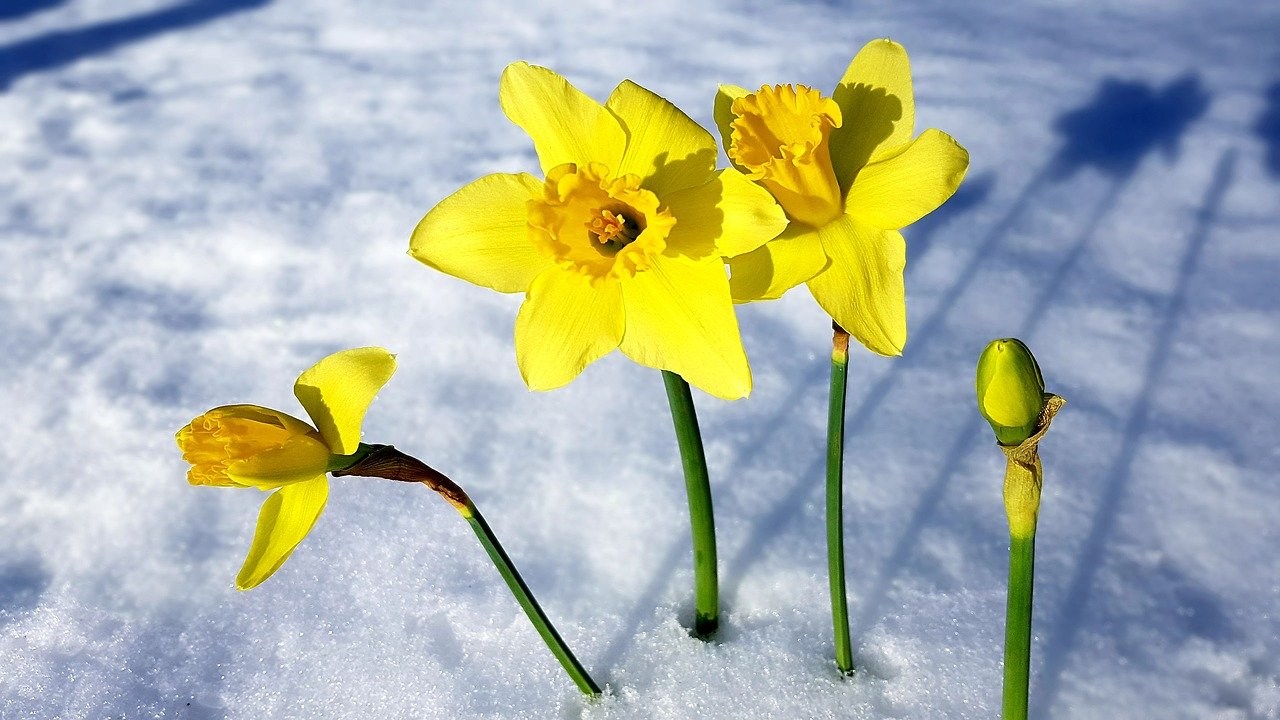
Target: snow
(200, 199)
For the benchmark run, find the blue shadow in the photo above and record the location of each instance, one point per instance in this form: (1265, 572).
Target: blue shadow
(1158, 119)
(22, 584)
(1127, 121)
(67, 46)
(1064, 628)
(18, 9)
(972, 193)
(1124, 122)
(1268, 128)
(976, 433)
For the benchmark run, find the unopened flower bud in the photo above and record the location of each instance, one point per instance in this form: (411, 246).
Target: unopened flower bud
(1010, 390)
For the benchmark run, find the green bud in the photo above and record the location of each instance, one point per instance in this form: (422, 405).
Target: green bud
(1010, 390)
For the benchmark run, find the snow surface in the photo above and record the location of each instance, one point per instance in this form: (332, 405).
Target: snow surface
(199, 200)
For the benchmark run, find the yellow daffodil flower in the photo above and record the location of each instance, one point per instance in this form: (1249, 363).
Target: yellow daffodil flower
(849, 176)
(253, 446)
(620, 245)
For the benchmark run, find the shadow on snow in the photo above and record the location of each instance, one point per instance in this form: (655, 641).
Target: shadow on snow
(1268, 129)
(1158, 118)
(1063, 629)
(17, 9)
(67, 46)
(1112, 134)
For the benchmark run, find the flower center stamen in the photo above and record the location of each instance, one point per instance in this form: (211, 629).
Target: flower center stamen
(613, 230)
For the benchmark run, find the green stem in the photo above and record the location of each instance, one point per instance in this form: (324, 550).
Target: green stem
(701, 518)
(1017, 633)
(530, 605)
(835, 501)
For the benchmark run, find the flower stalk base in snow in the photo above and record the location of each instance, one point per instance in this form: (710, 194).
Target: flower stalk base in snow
(701, 518)
(1023, 478)
(835, 498)
(384, 461)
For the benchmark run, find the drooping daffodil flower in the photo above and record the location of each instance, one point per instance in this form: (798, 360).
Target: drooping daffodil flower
(850, 175)
(618, 246)
(249, 446)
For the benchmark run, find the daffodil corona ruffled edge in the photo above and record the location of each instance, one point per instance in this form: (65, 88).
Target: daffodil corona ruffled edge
(255, 446)
(844, 239)
(619, 246)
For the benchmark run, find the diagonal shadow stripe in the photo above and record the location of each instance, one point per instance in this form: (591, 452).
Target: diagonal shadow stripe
(970, 436)
(1067, 625)
(680, 548)
(815, 375)
(65, 47)
(786, 509)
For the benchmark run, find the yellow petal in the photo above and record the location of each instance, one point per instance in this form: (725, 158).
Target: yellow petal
(680, 318)
(876, 102)
(862, 288)
(337, 391)
(781, 264)
(565, 324)
(899, 189)
(664, 146)
(723, 113)
(566, 126)
(481, 234)
(261, 414)
(286, 517)
(300, 458)
(726, 217)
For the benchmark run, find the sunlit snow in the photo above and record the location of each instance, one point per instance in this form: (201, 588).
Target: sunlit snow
(199, 199)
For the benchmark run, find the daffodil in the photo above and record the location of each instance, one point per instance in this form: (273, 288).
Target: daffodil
(1011, 396)
(618, 245)
(249, 446)
(850, 175)
(254, 446)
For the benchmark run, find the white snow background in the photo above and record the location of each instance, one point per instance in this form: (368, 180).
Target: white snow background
(200, 199)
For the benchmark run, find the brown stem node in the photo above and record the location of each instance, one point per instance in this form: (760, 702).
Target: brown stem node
(839, 339)
(386, 462)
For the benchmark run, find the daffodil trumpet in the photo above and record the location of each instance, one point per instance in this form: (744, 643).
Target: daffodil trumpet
(384, 461)
(835, 498)
(250, 446)
(1011, 396)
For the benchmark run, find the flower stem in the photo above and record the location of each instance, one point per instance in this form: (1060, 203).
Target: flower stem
(835, 498)
(701, 518)
(1023, 480)
(1017, 633)
(530, 605)
(384, 461)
